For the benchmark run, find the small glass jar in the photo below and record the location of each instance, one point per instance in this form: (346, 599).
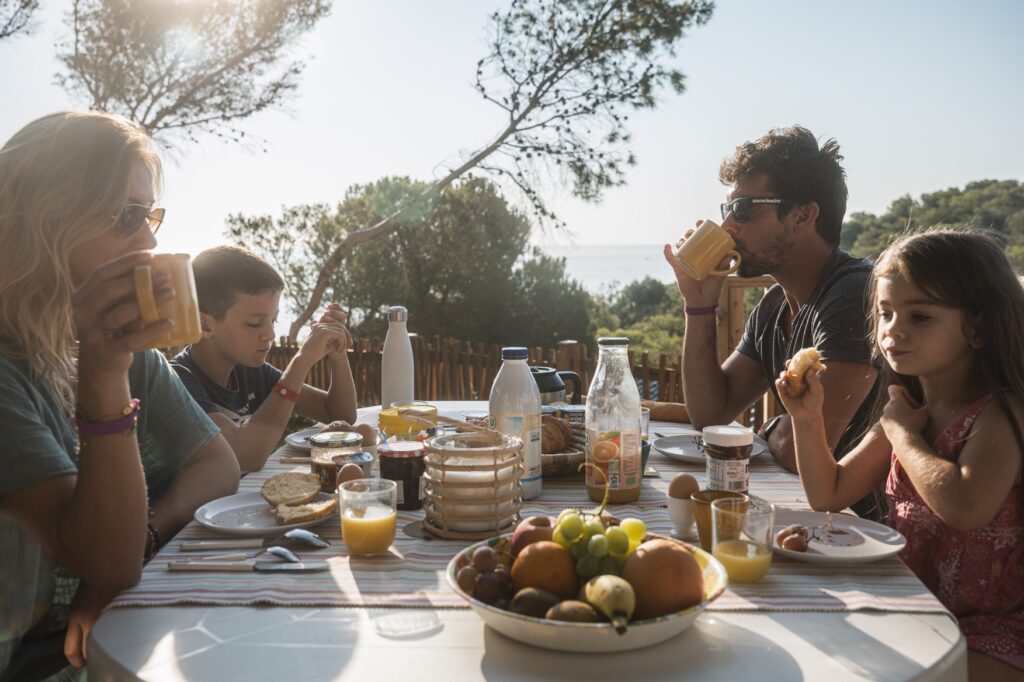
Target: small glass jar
(403, 462)
(728, 457)
(327, 446)
(395, 427)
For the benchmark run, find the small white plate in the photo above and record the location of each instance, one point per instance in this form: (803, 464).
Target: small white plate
(300, 439)
(685, 447)
(248, 514)
(859, 541)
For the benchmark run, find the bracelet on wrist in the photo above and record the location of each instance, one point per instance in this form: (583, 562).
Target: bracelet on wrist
(152, 543)
(285, 392)
(124, 425)
(710, 310)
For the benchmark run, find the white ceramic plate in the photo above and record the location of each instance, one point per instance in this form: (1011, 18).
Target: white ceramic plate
(248, 514)
(590, 637)
(858, 541)
(300, 439)
(685, 448)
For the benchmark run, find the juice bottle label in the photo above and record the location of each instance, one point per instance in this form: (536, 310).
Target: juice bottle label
(617, 455)
(527, 428)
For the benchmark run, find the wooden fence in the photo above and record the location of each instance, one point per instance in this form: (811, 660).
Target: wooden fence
(450, 369)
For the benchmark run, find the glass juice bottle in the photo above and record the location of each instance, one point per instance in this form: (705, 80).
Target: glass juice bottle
(613, 426)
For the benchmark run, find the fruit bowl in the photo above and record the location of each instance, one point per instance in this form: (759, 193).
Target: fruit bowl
(591, 637)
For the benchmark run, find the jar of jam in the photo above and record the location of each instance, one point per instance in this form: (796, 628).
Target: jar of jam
(728, 457)
(327, 446)
(403, 462)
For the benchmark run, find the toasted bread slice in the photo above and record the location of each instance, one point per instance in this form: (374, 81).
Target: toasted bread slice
(291, 488)
(802, 362)
(287, 514)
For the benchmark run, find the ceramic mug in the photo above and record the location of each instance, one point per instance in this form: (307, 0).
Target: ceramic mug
(702, 251)
(183, 309)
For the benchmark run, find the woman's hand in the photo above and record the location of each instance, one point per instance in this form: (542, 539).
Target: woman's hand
(107, 315)
(808, 403)
(902, 416)
(86, 608)
(696, 293)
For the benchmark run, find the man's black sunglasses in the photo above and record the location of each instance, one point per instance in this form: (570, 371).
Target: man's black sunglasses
(740, 208)
(134, 216)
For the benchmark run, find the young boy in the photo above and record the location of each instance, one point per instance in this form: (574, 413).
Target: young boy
(226, 371)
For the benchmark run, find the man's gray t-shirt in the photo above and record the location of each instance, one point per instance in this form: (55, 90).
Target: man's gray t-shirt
(835, 320)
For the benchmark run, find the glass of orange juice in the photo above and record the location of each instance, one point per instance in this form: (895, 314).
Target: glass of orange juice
(741, 536)
(368, 516)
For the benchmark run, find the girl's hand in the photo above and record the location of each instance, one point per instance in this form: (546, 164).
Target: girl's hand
(808, 403)
(107, 316)
(902, 415)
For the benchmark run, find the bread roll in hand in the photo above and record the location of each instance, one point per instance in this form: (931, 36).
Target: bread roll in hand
(803, 361)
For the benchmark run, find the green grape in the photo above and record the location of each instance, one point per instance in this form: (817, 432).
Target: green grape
(635, 529)
(618, 541)
(557, 536)
(597, 546)
(609, 566)
(578, 549)
(633, 544)
(571, 526)
(592, 527)
(565, 512)
(588, 567)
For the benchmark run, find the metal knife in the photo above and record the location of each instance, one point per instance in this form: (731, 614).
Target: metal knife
(292, 537)
(245, 566)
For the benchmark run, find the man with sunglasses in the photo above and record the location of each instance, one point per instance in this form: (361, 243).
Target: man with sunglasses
(785, 211)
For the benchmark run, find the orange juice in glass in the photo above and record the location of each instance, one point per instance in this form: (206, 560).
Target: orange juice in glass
(368, 516)
(741, 537)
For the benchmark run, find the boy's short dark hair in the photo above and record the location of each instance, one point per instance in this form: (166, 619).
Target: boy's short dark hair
(797, 169)
(224, 272)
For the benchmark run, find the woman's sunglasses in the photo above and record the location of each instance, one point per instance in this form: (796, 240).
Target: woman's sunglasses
(740, 208)
(134, 216)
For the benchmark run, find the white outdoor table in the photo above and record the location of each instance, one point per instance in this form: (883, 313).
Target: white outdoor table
(354, 643)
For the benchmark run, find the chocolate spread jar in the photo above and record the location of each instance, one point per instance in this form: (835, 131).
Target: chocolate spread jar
(728, 457)
(403, 462)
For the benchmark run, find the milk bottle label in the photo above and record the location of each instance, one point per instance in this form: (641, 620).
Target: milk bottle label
(617, 455)
(526, 427)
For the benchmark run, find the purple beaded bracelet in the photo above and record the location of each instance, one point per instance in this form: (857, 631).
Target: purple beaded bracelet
(124, 424)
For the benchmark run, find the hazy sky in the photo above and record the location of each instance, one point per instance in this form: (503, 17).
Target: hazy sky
(921, 96)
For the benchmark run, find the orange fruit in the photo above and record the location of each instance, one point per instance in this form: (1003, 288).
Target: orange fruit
(547, 566)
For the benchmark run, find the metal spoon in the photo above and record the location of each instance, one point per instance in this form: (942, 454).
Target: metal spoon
(299, 536)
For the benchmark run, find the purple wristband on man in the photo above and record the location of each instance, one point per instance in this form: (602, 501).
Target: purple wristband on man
(710, 310)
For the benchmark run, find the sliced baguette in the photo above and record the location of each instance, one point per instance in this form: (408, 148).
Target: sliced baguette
(287, 514)
(290, 488)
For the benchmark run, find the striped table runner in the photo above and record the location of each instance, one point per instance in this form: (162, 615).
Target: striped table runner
(413, 574)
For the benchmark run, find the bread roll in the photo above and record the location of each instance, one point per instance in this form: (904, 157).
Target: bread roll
(803, 361)
(555, 434)
(290, 488)
(666, 412)
(288, 514)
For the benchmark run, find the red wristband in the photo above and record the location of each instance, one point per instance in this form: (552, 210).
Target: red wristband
(710, 310)
(286, 393)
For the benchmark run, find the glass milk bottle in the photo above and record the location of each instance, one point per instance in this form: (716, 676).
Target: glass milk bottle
(396, 385)
(515, 411)
(613, 426)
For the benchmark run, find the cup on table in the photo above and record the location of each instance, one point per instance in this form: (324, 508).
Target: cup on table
(681, 513)
(702, 500)
(183, 309)
(741, 536)
(645, 423)
(368, 514)
(701, 252)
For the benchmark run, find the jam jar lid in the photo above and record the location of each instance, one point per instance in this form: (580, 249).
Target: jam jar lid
(401, 448)
(336, 439)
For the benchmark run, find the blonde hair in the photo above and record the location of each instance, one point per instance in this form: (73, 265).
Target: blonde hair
(63, 179)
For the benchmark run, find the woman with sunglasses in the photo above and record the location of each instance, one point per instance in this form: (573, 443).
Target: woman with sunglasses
(104, 453)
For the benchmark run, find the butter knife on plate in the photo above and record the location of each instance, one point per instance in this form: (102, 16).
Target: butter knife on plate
(246, 566)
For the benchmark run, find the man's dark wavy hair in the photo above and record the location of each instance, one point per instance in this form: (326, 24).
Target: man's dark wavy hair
(798, 170)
